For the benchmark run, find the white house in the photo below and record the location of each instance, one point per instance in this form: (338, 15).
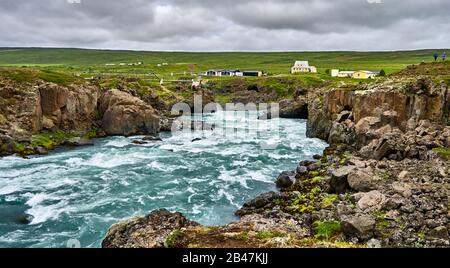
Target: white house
(233, 72)
(303, 67)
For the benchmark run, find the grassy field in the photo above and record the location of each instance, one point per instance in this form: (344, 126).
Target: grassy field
(92, 62)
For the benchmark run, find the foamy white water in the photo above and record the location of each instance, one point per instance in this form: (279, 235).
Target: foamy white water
(79, 193)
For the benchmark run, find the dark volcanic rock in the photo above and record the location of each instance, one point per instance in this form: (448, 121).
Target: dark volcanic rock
(257, 204)
(151, 138)
(339, 183)
(285, 180)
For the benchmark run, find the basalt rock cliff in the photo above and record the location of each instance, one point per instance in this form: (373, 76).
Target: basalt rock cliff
(28, 109)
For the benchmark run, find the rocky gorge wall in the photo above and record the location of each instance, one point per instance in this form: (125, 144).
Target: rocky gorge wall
(417, 99)
(28, 109)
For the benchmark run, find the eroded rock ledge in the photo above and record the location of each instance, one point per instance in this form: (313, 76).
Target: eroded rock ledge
(383, 182)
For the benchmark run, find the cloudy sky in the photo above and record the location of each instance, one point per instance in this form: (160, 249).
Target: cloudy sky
(227, 25)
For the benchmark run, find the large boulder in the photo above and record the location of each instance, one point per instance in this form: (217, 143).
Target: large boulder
(363, 180)
(339, 182)
(285, 180)
(124, 114)
(372, 201)
(70, 108)
(360, 226)
(27, 109)
(6, 145)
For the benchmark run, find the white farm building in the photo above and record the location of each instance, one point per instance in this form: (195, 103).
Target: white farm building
(303, 67)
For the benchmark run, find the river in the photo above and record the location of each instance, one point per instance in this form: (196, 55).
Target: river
(76, 194)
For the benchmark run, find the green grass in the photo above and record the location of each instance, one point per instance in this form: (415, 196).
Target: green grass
(443, 152)
(172, 238)
(269, 234)
(31, 74)
(92, 62)
(324, 230)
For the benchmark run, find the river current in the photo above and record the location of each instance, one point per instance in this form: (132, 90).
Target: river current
(74, 195)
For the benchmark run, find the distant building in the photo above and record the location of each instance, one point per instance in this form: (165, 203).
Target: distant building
(365, 74)
(361, 74)
(232, 72)
(303, 67)
(252, 73)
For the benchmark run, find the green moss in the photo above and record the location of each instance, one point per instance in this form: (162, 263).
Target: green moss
(443, 152)
(329, 200)
(315, 191)
(19, 148)
(382, 223)
(324, 230)
(93, 133)
(3, 148)
(306, 209)
(317, 179)
(42, 140)
(314, 174)
(421, 235)
(50, 140)
(243, 236)
(172, 238)
(269, 234)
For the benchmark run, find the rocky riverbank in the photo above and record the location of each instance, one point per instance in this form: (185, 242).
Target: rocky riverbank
(37, 116)
(383, 182)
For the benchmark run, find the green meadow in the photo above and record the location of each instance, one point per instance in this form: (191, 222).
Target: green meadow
(87, 63)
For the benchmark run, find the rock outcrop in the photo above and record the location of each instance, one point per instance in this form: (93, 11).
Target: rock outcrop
(146, 232)
(77, 110)
(126, 115)
(30, 108)
(419, 99)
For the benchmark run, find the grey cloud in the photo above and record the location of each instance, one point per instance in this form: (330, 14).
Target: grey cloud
(226, 25)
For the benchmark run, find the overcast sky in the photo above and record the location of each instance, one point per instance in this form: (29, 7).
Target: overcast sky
(227, 25)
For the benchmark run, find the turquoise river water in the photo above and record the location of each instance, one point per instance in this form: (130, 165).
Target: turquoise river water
(76, 194)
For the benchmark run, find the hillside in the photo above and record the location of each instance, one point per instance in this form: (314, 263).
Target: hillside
(92, 61)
